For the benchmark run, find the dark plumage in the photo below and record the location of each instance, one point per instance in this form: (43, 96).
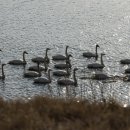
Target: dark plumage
(68, 81)
(97, 65)
(61, 57)
(90, 54)
(19, 62)
(42, 59)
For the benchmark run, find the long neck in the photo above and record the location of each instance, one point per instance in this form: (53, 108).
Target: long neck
(102, 60)
(66, 53)
(39, 70)
(46, 67)
(3, 75)
(49, 76)
(74, 77)
(24, 57)
(46, 53)
(96, 53)
(67, 70)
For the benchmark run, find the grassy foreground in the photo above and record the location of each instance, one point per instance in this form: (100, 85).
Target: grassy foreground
(43, 113)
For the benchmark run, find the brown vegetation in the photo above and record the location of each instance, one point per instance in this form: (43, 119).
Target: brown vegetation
(43, 113)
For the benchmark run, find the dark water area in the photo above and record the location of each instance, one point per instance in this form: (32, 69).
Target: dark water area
(34, 25)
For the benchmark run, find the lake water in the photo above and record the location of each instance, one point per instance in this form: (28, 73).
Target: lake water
(34, 25)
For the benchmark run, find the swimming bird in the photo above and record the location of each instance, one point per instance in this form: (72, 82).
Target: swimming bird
(90, 54)
(30, 74)
(64, 65)
(42, 59)
(97, 65)
(61, 72)
(40, 68)
(19, 62)
(61, 57)
(69, 81)
(43, 80)
(3, 75)
(125, 61)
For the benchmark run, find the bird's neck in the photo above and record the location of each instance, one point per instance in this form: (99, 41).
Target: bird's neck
(102, 63)
(96, 53)
(66, 53)
(74, 77)
(3, 75)
(46, 67)
(49, 76)
(39, 69)
(24, 57)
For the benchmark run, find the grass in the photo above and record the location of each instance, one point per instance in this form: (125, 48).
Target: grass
(41, 113)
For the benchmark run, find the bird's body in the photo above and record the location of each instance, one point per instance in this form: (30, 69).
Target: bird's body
(61, 72)
(43, 80)
(64, 65)
(97, 65)
(68, 81)
(61, 57)
(127, 71)
(90, 54)
(125, 61)
(100, 76)
(30, 74)
(19, 62)
(42, 59)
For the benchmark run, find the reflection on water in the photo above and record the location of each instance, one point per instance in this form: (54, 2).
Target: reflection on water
(34, 25)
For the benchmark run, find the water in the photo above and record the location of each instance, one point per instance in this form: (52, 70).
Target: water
(34, 25)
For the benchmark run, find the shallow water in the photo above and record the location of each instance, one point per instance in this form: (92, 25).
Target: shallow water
(34, 25)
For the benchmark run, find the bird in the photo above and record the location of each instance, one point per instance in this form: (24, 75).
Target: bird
(127, 71)
(64, 65)
(90, 54)
(43, 80)
(3, 75)
(19, 62)
(61, 57)
(61, 72)
(40, 68)
(125, 61)
(69, 81)
(30, 74)
(97, 65)
(42, 59)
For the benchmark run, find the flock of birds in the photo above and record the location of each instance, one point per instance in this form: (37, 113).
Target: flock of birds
(63, 69)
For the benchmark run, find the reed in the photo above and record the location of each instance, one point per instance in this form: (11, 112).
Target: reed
(42, 113)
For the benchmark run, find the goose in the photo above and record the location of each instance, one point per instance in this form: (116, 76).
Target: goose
(19, 62)
(3, 75)
(62, 72)
(61, 57)
(68, 81)
(97, 65)
(30, 74)
(43, 80)
(40, 68)
(66, 65)
(90, 54)
(42, 59)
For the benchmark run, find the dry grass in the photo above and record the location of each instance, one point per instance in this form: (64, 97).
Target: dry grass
(43, 113)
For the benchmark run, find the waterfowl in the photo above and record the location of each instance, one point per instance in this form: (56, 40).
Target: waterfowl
(69, 81)
(66, 65)
(30, 74)
(40, 68)
(90, 54)
(3, 75)
(97, 65)
(42, 59)
(43, 80)
(19, 62)
(62, 72)
(61, 57)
